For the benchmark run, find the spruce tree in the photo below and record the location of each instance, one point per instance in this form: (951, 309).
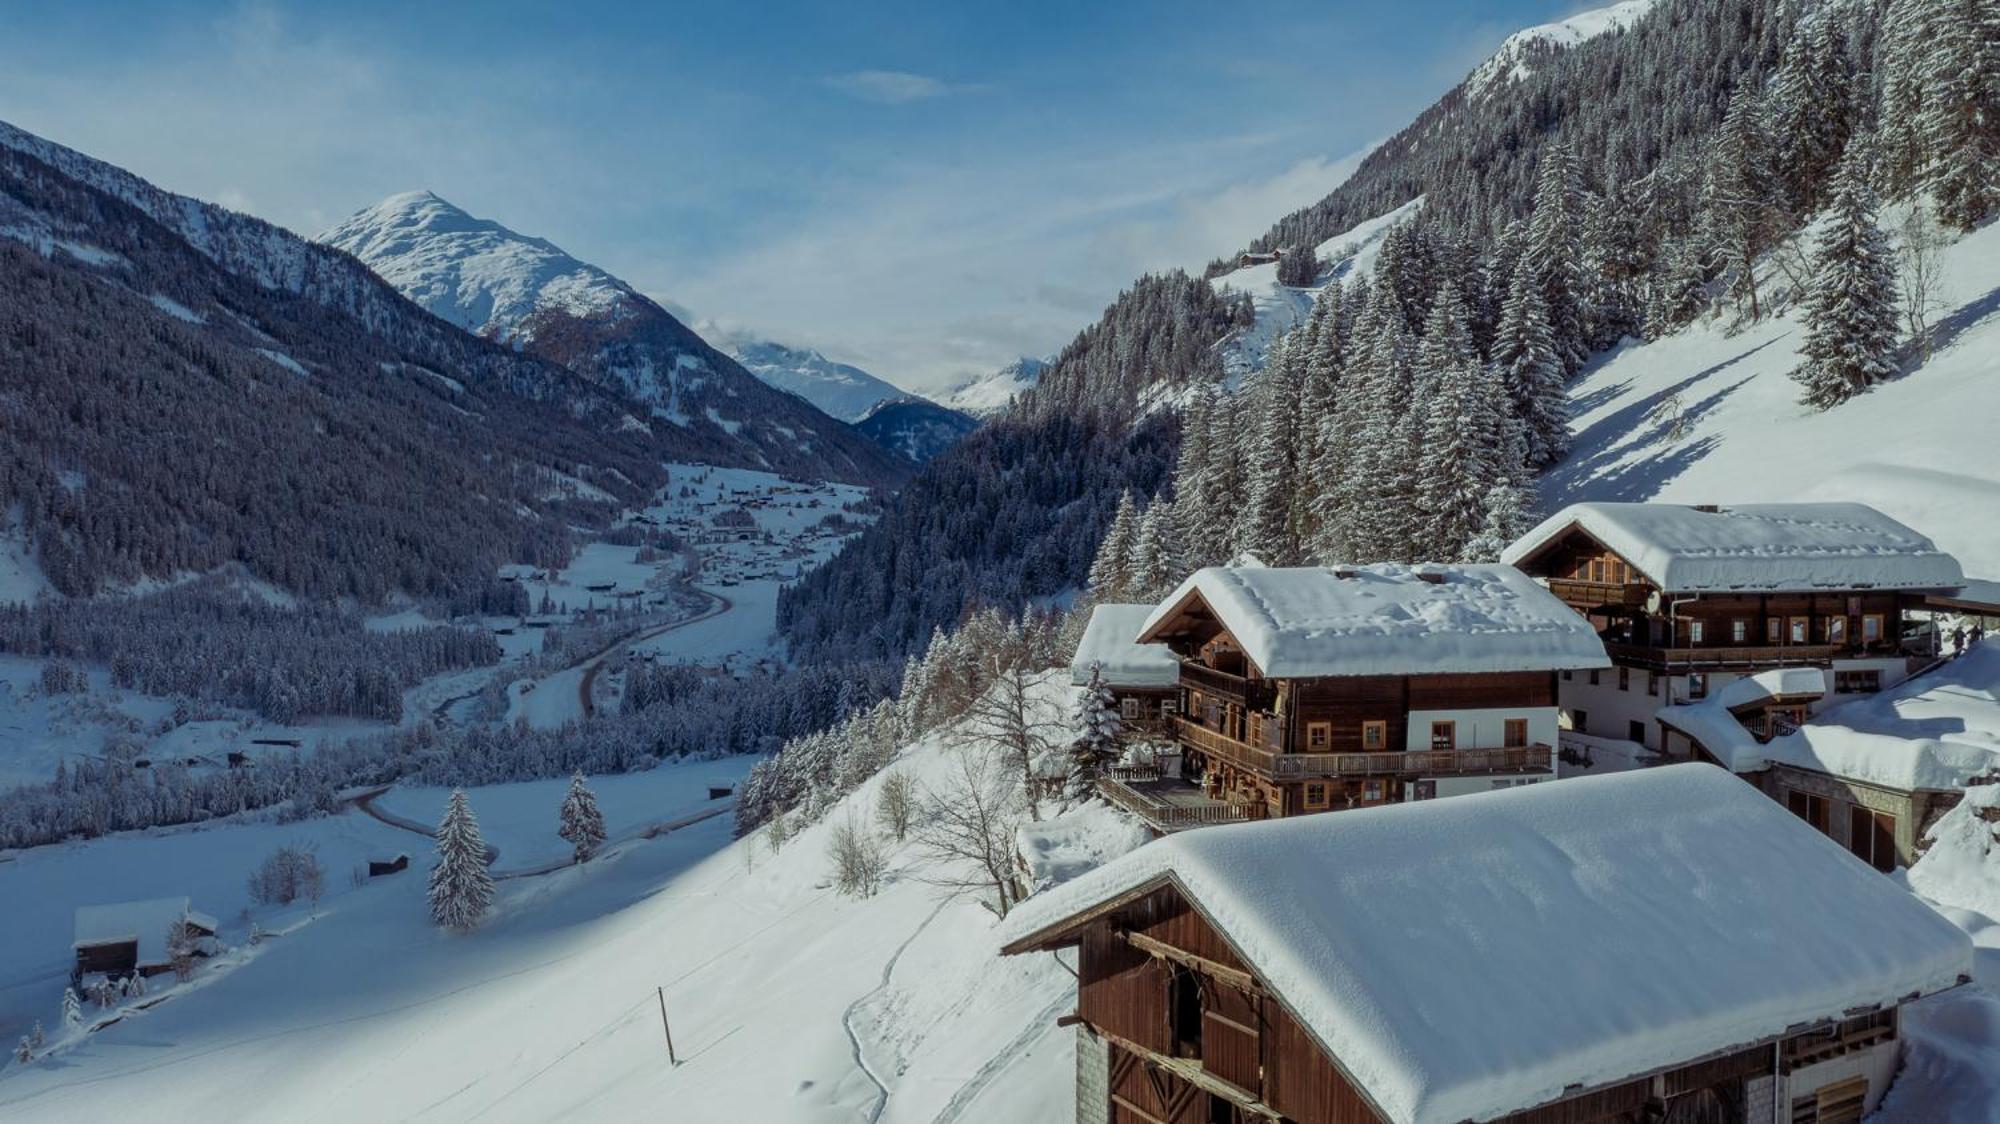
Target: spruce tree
(1099, 725)
(582, 825)
(1268, 529)
(1813, 113)
(1961, 114)
(72, 1008)
(1739, 205)
(1153, 573)
(1525, 357)
(1507, 518)
(1850, 313)
(1470, 441)
(1554, 253)
(461, 888)
(1111, 572)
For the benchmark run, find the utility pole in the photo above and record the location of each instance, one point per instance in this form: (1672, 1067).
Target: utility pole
(671, 1059)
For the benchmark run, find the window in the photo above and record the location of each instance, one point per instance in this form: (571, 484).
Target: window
(1444, 735)
(1319, 735)
(1597, 569)
(1871, 628)
(1593, 678)
(1810, 808)
(1580, 721)
(1624, 678)
(1184, 1011)
(1371, 791)
(1801, 630)
(1568, 675)
(1169, 707)
(1774, 630)
(1653, 684)
(1374, 736)
(1872, 837)
(1515, 733)
(1836, 630)
(1635, 732)
(1857, 682)
(1697, 685)
(1128, 707)
(1256, 728)
(1316, 800)
(1739, 632)
(1697, 631)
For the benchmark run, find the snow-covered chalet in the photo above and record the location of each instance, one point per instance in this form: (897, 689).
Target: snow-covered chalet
(1311, 689)
(1541, 955)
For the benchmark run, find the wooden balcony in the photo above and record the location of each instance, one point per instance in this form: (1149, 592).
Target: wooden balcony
(1624, 595)
(1253, 694)
(1167, 805)
(1695, 659)
(1407, 763)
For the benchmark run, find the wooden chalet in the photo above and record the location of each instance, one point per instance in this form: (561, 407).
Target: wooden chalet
(1688, 598)
(130, 938)
(1309, 689)
(1418, 964)
(1143, 678)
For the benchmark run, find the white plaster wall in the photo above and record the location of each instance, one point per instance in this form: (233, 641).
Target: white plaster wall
(1483, 729)
(1465, 786)
(1877, 1063)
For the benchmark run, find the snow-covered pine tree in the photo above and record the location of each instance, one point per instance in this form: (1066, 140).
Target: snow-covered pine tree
(1615, 264)
(1813, 111)
(1554, 253)
(1111, 571)
(37, 1038)
(1524, 355)
(1153, 556)
(1909, 27)
(1961, 114)
(1099, 725)
(1471, 439)
(1850, 307)
(1268, 528)
(1681, 291)
(24, 1052)
(1507, 518)
(1739, 207)
(72, 1008)
(1373, 513)
(461, 888)
(582, 824)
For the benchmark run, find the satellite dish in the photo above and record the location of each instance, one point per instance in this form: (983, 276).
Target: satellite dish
(1653, 603)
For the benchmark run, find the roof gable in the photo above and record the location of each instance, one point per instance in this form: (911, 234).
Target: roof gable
(1348, 917)
(1111, 641)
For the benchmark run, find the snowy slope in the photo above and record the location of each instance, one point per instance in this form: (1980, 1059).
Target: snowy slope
(1918, 448)
(1516, 56)
(788, 1001)
(984, 395)
(841, 390)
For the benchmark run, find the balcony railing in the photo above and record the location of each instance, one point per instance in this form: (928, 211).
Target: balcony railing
(1579, 592)
(1419, 762)
(1254, 694)
(1776, 655)
(1168, 816)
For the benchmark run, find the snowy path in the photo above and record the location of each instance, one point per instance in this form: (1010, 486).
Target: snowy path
(847, 1017)
(595, 664)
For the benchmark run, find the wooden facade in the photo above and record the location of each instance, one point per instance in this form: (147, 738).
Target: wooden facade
(1293, 746)
(1194, 1036)
(1645, 626)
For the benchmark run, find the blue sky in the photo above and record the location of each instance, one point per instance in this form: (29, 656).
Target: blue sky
(927, 190)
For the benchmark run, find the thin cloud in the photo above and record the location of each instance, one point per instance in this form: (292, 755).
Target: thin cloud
(894, 87)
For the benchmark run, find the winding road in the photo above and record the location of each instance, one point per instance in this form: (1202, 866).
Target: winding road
(594, 664)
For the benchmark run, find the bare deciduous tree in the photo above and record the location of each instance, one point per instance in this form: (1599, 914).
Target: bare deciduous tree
(1007, 720)
(858, 860)
(968, 831)
(1922, 260)
(896, 806)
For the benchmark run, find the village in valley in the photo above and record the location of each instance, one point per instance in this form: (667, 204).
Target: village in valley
(1508, 639)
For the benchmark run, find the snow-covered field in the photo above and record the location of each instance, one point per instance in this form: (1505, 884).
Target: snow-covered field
(1918, 448)
(788, 1001)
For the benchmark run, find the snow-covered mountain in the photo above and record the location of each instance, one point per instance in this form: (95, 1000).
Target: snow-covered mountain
(529, 293)
(985, 395)
(1517, 56)
(842, 390)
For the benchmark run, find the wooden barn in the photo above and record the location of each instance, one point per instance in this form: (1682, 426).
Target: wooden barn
(127, 938)
(1690, 598)
(1543, 954)
(1310, 689)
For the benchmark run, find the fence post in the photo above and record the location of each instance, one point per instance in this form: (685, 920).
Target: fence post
(671, 1059)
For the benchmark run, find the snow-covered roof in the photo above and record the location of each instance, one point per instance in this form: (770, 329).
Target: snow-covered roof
(1937, 731)
(144, 922)
(1110, 640)
(1389, 619)
(1774, 683)
(1468, 958)
(1766, 546)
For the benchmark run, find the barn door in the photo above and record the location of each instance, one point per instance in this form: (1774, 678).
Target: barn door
(1231, 1037)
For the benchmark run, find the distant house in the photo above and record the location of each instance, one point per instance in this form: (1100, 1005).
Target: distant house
(1541, 955)
(1143, 678)
(127, 938)
(379, 867)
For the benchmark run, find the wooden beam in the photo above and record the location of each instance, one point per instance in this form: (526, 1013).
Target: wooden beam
(1191, 1071)
(1234, 977)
